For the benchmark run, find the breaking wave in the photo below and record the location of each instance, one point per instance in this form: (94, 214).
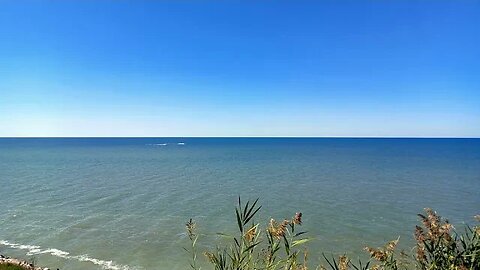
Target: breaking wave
(34, 250)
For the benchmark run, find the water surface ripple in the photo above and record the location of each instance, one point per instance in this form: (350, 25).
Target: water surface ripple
(111, 203)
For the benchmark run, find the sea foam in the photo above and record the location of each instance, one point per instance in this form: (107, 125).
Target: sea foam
(34, 250)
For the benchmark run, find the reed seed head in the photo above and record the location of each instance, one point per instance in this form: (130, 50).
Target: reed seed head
(297, 219)
(251, 233)
(390, 246)
(377, 254)
(210, 256)
(277, 230)
(191, 228)
(419, 235)
(343, 263)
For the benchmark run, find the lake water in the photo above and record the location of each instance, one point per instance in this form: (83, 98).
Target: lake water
(121, 203)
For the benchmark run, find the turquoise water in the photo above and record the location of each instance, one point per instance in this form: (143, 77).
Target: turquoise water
(122, 203)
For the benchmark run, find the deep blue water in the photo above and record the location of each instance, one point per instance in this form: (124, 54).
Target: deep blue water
(121, 203)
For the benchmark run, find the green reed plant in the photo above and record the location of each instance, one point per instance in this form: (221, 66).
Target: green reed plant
(192, 250)
(439, 246)
(278, 246)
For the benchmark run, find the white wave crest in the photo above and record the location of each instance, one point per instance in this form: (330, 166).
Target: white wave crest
(156, 144)
(33, 250)
(104, 264)
(51, 251)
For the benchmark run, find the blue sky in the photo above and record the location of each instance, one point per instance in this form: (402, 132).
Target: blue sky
(240, 68)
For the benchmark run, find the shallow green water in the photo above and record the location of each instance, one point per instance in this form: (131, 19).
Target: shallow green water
(122, 203)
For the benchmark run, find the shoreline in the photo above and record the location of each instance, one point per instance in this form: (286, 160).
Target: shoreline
(22, 263)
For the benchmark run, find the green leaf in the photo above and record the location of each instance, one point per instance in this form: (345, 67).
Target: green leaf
(239, 221)
(251, 208)
(250, 247)
(252, 215)
(301, 241)
(225, 235)
(195, 241)
(245, 210)
(298, 234)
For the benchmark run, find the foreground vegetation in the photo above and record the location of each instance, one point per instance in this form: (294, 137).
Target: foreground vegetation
(7, 263)
(10, 266)
(279, 246)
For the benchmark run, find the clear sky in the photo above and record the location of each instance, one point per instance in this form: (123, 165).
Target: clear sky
(240, 68)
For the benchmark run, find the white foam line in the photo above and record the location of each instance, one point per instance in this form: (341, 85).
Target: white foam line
(33, 250)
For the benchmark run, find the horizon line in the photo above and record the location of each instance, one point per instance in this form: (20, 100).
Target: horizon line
(293, 137)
